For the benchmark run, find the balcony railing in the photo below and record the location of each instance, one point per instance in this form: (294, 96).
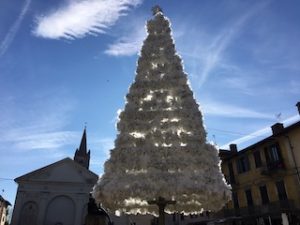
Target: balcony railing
(272, 207)
(273, 167)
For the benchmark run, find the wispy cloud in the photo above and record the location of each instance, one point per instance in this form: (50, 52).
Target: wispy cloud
(9, 37)
(50, 140)
(80, 18)
(227, 110)
(240, 84)
(40, 125)
(294, 87)
(207, 53)
(127, 45)
(239, 80)
(259, 133)
(221, 41)
(105, 144)
(102, 147)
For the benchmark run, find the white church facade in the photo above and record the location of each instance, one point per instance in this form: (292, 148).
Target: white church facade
(56, 194)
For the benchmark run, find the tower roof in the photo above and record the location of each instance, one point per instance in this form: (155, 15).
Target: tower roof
(7, 203)
(83, 146)
(82, 156)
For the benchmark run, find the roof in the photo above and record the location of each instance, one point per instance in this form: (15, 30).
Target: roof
(226, 154)
(5, 201)
(83, 144)
(55, 164)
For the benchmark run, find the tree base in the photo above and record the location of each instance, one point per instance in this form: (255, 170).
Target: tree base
(161, 203)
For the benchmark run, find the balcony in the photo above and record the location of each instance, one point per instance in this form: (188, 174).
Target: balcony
(273, 167)
(272, 207)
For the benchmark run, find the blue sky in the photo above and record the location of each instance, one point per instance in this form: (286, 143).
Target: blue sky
(67, 63)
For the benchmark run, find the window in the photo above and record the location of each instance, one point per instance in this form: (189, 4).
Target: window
(235, 200)
(281, 190)
(257, 159)
(274, 153)
(264, 194)
(243, 164)
(249, 197)
(273, 157)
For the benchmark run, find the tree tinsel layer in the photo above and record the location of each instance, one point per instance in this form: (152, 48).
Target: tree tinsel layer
(161, 148)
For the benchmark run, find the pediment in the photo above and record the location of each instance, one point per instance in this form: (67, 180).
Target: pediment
(65, 170)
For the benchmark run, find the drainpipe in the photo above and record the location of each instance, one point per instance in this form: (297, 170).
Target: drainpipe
(294, 158)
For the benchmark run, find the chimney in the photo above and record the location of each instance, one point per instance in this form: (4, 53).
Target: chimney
(233, 148)
(298, 107)
(277, 128)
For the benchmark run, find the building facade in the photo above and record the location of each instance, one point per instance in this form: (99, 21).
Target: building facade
(57, 194)
(265, 179)
(4, 204)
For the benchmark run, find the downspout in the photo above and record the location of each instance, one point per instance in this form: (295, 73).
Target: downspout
(294, 158)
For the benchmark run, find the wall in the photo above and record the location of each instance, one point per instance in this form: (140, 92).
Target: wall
(68, 203)
(253, 179)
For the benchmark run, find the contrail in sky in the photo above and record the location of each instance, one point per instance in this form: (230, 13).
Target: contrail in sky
(9, 37)
(222, 41)
(263, 131)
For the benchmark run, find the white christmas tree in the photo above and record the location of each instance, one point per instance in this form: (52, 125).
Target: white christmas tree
(161, 152)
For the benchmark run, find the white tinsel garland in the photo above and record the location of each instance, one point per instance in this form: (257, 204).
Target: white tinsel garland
(161, 148)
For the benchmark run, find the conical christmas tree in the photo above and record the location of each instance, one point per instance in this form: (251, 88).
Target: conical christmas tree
(161, 148)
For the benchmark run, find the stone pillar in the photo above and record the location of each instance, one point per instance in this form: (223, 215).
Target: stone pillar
(43, 203)
(80, 201)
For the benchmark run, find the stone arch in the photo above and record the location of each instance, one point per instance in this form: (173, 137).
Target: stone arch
(60, 210)
(29, 213)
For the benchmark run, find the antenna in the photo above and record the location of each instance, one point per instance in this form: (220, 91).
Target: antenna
(214, 139)
(278, 117)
